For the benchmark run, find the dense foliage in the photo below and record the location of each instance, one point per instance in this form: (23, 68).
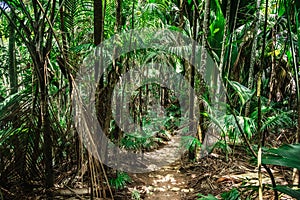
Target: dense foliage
(254, 45)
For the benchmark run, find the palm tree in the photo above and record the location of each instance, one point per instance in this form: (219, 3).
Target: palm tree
(39, 31)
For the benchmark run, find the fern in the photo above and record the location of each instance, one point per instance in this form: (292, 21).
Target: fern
(279, 120)
(120, 181)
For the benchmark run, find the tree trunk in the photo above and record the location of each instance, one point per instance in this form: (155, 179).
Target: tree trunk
(205, 27)
(253, 56)
(99, 176)
(219, 75)
(224, 42)
(98, 36)
(192, 128)
(272, 80)
(259, 107)
(13, 78)
(118, 16)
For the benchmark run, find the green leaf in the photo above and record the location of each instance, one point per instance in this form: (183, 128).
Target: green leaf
(231, 195)
(216, 30)
(120, 181)
(280, 120)
(244, 93)
(287, 155)
(247, 127)
(175, 28)
(289, 191)
(208, 197)
(289, 56)
(281, 10)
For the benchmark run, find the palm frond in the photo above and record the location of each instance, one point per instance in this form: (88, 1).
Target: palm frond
(279, 120)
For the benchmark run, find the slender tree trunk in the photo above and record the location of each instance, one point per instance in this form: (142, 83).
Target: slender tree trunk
(192, 152)
(203, 63)
(118, 15)
(116, 68)
(41, 70)
(224, 42)
(12, 60)
(259, 117)
(40, 66)
(181, 14)
(96, 169)
(140, 109)
(253, 56)
(204, 36)
(272, 80)
(296, 171)
(40, 56)
(46, 134)
(98, 36)
(260, 191)
(221, 66)
(63, 60)
(98, 21)
(227, 66)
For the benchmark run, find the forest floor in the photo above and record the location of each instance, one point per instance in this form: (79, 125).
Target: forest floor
(210, 175)
(184, 179)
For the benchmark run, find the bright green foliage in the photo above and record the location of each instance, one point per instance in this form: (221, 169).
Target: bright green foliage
(233, 194)
(289, 191)
(216, 27)
(274, 118)
(120, 181)
(287, 155)
(208, 197)
(244, 93)
(137, 142)
(190, 143)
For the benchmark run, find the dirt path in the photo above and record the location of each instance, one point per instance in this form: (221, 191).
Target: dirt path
(162, 183)
(185, 180)
(167, 183)
(211, 175)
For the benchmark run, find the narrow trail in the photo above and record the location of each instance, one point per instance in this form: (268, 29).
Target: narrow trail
(166, 183)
